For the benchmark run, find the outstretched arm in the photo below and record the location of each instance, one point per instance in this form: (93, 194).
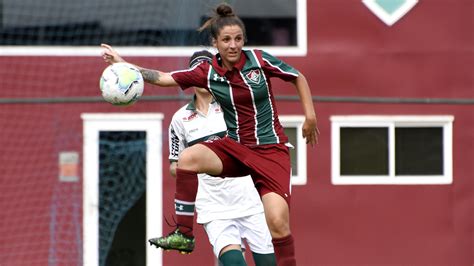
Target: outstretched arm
(151, 76)
(310, 127)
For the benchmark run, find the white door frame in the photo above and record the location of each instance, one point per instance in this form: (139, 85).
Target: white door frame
(93, 124)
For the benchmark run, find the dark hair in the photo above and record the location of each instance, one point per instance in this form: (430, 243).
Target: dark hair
(223, 16)
(200, 56)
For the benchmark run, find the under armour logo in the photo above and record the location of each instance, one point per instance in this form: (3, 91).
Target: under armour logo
(217, 77)
(179, 207)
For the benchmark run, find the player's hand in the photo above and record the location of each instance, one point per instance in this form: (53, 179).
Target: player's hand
(110, 55)
(311, 131)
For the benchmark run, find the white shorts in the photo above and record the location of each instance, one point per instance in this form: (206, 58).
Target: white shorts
(253, 229)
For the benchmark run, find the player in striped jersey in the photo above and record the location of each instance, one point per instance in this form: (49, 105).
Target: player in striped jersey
(240, 80)
(230, 209)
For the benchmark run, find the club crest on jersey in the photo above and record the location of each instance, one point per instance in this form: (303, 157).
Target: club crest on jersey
(191, 117)
(254, 76)
(212, 138)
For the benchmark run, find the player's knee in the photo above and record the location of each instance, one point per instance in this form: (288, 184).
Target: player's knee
(188, 159)
(279, 227)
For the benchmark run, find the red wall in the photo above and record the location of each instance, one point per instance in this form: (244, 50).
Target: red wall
(427, 54)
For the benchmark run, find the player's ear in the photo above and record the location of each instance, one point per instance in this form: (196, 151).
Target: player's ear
(214, 42)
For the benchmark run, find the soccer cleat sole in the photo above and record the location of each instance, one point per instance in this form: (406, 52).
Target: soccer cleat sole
(185, 252)
(181, 251)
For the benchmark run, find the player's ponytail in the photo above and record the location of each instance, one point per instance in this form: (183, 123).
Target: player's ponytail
(223, 16)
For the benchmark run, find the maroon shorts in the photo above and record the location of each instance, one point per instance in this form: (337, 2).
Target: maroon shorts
(269, 165)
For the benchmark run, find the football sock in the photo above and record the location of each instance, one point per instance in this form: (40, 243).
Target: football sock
(185, 196)
(264, 259)
(232, 257)
(285, 250)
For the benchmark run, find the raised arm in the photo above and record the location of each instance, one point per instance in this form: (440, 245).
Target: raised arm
(155, 77)
(310, 127)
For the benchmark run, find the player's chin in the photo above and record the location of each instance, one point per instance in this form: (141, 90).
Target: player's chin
(233, 58)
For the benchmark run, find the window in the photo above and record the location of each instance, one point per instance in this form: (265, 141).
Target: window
(157, 28)
(391, 149)
(293, 129)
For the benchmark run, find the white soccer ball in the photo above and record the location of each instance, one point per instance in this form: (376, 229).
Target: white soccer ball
(121, 84)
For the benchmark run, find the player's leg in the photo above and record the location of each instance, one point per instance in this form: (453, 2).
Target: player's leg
(255, 231)
(277, 214)
(232, 255)
(272, 171)
(201, 159)
(278, 219)
(220, 158)
(264, 259)
(193, 160)
(226, 242)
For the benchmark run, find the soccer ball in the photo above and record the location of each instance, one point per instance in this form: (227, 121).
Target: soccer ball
(121, 84)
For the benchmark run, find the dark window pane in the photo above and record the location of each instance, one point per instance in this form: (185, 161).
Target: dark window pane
(138, 23)
(364, 151)
(419, 151)
(270, 31)
(292, 138)
(122, 186)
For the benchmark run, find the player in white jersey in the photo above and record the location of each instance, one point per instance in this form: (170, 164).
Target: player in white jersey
(230, 209)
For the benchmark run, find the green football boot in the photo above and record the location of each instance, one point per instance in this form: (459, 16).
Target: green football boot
(174, 241)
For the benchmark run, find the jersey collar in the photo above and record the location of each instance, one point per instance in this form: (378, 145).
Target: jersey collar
(217, 64)
(192, 104)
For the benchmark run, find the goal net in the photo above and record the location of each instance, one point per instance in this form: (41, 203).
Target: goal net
(50, 67)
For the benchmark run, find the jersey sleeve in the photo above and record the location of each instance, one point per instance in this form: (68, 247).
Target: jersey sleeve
(192, 77)
(274, 67)
(176, 139)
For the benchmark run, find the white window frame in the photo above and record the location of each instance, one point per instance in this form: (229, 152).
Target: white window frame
(296, 121)
(301, 48)
(95, 123)
(391, 122)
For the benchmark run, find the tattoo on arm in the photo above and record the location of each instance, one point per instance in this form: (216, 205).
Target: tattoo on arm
(150, 76)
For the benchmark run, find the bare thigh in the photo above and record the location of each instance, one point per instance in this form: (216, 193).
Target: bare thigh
(277, 214)
(201, 159)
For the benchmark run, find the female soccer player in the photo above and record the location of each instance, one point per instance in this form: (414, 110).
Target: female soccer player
(229, 209)
(255, 143)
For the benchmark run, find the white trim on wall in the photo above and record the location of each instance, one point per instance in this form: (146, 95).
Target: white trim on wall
(296, 121)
